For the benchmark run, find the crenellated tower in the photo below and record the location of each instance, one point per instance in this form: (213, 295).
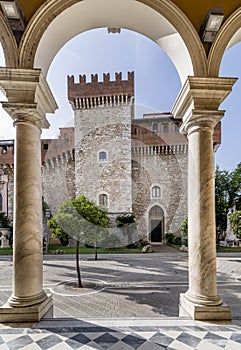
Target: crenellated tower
(103, 112)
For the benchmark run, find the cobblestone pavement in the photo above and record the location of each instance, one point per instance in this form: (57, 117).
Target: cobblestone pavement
(129, 302)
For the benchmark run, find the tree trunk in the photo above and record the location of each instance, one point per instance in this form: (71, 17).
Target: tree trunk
(95, 251)
(77, 264)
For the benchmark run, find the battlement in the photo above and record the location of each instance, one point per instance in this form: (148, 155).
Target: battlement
(7, 151)
(84, 95)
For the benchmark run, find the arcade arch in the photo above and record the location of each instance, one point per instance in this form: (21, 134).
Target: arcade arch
(165, 24)
(197, 105)
(229, 35)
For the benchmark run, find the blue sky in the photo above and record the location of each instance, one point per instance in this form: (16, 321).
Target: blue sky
(156, 82)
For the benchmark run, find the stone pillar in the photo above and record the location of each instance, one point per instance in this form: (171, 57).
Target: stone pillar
(29, 98)
(197, 105)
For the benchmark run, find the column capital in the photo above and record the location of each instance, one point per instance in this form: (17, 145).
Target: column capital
(198, 102)
(29, 96)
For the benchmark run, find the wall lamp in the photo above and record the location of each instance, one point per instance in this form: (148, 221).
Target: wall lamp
(13, 13)
(10, 9)
(211, 24)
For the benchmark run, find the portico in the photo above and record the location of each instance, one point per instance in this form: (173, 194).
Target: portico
(29, 99)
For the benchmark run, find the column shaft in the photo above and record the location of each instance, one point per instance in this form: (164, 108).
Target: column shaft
(201, 218)
(27, 244)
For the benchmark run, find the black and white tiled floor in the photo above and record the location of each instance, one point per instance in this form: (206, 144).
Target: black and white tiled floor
(121, 334)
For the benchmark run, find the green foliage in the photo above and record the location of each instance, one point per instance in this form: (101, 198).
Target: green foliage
(57, 232)
(125, 220)
(82, 220)
(183, 228)
(172, 239)
(227, 194)
(169, 237)
(4, 221)
(235, 221)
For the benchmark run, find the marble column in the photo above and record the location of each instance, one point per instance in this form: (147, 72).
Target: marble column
(27, 243)
(29, 98)
(197, 105)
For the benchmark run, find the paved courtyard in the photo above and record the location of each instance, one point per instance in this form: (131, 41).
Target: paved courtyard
(129, 302)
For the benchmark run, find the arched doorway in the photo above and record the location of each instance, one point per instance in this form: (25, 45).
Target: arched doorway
(156, 224)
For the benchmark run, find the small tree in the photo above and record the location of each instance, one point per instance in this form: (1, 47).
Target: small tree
(83, 220)
(235, 222)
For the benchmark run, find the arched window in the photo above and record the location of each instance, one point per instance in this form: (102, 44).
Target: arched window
(102, 156)
(1, 202)
(156, 192)
(103, 200)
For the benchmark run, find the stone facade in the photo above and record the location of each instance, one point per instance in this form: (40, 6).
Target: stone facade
(103, 113)
(130, 165)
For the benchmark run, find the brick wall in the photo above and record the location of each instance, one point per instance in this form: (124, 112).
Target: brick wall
(95, 88)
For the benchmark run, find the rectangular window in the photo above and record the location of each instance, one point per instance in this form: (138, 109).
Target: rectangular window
(176, 128)
(155, 128)
(165, 127)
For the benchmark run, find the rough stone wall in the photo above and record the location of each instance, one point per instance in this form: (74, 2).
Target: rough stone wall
(58, 183)
(108, 129)
(169, 171)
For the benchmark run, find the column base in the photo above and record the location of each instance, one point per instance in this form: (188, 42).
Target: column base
(203, 312)
(32, 313)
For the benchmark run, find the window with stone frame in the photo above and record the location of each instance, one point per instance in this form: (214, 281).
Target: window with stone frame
(103, 200)
(155, 128)
(102, 156)
(176, 128)
(156, 192)
(165, 127)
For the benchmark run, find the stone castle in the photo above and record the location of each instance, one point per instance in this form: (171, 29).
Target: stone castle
(129, 165)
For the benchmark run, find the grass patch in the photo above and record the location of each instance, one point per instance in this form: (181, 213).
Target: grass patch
(85, 250)
(221, 249)
(6, 251)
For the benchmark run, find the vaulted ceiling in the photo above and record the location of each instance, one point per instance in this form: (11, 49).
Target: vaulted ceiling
(194, 10)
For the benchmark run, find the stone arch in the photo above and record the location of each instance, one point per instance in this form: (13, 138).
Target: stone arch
(156, 218)
(229, 35)
(9, 44)
(180, 33)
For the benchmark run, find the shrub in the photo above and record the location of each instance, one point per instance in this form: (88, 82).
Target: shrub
(169, 237)
(4, 221)
(183, 227)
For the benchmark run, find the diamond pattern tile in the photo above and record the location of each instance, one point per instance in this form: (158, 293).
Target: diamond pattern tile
(130, 337)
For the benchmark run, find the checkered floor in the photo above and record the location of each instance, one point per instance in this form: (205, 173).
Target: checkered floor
(163, 334)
